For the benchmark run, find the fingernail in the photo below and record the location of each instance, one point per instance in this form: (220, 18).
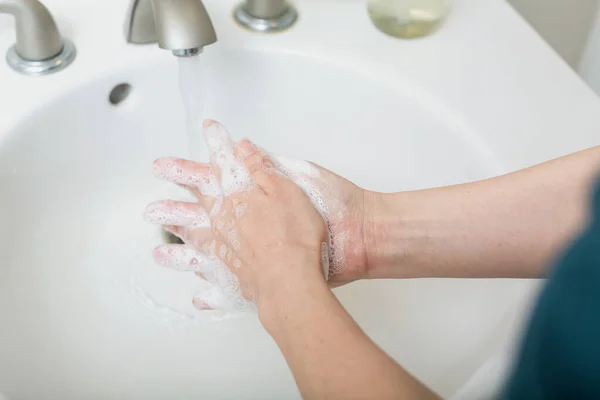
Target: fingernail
(247, 148)
(201, 305)
(208, 122)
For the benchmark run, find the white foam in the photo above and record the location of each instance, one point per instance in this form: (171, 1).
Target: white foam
(240, 210)
(293, 167)
(232, 239)
(217, 206)
(176, 214)
(325, 258)
(212, 298)
(209, 186)
(170, 169)
(304, 174)
(234, 175)
(183, 258)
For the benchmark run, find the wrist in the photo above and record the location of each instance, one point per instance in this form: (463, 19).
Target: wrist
(278, 304)
(386, 240)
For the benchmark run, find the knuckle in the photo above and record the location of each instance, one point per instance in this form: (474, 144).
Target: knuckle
(258, 161)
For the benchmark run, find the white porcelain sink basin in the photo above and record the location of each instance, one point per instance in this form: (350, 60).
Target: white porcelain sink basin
(85, 314)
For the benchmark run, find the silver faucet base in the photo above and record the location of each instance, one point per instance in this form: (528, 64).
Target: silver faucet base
(45, 67)
(281, 23)
(188, 52)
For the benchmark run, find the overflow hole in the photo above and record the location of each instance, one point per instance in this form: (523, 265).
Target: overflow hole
(119, 93)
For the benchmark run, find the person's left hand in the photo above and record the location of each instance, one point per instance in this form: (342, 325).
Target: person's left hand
(342, 206)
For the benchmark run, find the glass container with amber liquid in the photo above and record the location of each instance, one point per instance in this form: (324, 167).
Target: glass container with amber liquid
(407, 18)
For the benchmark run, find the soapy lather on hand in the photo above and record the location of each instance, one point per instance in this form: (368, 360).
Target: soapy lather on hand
(228, 238)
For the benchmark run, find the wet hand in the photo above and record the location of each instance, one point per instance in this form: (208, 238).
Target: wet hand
(242, 177)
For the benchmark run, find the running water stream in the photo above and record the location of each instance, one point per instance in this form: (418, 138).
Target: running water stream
(192, 88)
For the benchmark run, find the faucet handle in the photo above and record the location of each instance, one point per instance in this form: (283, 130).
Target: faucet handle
(140, 27)
(39, 49)
(266, 15)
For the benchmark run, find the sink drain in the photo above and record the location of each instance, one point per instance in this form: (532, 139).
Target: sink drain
(169, 238)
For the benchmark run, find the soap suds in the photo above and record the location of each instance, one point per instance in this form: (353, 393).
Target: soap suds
(211, 298)
(217, 206)
(169, 169)
(325, 258)
(303, 174)
(232, 239)
(183, 258)
(174, 213)
(240, 210)
(234, 176)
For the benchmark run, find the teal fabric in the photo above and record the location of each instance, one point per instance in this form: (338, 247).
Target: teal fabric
(560, 356)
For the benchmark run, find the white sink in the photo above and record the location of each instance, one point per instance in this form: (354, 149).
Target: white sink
(85, 314)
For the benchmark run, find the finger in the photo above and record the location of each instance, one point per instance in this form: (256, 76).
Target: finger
(231, 174)
(195, 177)
(178, 170)
(244, 148)
(200, 275)
(296, 169)
(182, 258)
(258, 163)
(177, 213)
(211, 299)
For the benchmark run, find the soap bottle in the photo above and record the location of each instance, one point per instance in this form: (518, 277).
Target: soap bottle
(407, 18)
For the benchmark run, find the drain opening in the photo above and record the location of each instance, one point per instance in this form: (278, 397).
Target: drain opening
(119, 93)
(169, 238)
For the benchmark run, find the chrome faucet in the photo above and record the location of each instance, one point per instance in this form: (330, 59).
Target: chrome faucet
(266, 15)
(39, 48)
(182, 26)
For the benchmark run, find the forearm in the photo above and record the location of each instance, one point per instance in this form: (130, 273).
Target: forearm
(510, 226)
(329, 354)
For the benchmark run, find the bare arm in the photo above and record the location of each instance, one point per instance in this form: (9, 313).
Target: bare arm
(266, 242)
(329, 354)
(511, 226)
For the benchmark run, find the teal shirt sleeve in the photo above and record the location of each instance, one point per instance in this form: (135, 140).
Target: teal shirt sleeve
(560, 354)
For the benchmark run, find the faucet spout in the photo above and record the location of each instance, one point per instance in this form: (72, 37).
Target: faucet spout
(182, 26)
(38, 37)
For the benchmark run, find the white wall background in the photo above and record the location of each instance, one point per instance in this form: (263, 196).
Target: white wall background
(589, 68)
(572, 28)
(565, 24)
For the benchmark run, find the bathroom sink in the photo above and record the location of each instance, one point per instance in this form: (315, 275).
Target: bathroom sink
(85, 312)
